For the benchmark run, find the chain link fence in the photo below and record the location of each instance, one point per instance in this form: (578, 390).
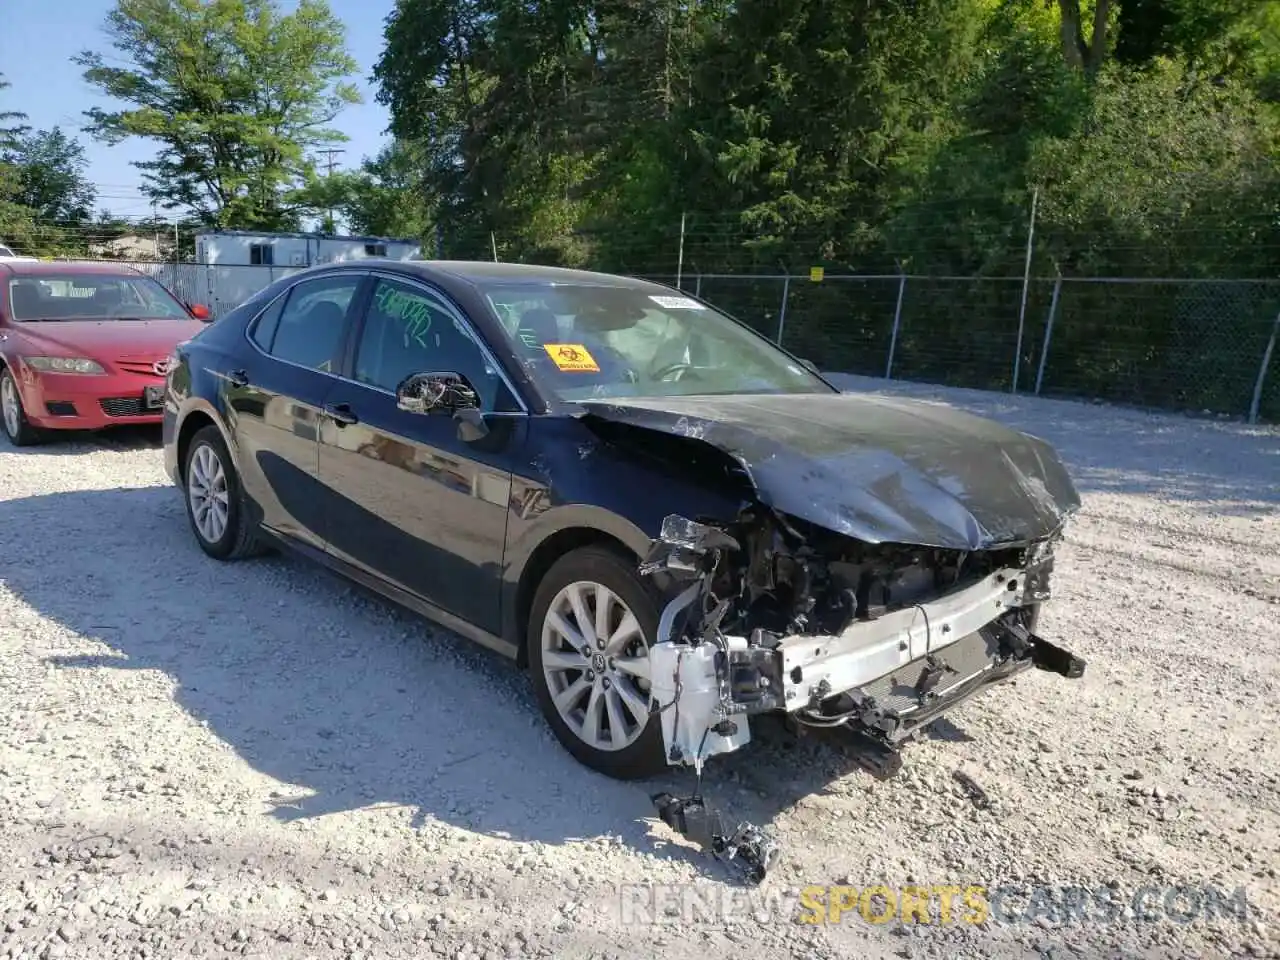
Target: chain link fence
(220, 287)
(1189, 345)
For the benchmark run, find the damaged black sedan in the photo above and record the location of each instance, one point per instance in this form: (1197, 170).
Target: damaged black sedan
(672, 523)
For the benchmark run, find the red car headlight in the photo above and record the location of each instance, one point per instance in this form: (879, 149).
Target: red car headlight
(63, 365)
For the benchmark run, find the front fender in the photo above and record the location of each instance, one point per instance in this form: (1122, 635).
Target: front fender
(574, 481)
(195, 389)
(570, 516)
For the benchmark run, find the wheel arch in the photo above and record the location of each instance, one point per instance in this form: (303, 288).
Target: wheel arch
(628, 543)
(198, 416)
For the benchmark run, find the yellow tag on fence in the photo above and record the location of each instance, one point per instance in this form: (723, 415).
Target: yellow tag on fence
(571, 357)
(816, 274)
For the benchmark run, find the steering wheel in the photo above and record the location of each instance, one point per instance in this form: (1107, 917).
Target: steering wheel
(679, 368)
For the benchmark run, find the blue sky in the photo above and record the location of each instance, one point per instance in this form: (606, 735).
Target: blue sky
(39, 37)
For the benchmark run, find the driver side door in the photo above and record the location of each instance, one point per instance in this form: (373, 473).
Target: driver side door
(412, 502)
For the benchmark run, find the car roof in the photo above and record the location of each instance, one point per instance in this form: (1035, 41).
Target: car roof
(480, 271)
(528, 272)
(36, 268)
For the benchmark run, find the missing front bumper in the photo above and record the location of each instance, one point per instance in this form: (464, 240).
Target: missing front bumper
(880, 681)
(885, 679)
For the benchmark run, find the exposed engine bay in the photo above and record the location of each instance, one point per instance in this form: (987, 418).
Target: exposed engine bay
(779, 615)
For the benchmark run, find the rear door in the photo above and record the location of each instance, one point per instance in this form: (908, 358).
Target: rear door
(413, 503)
(278, 400)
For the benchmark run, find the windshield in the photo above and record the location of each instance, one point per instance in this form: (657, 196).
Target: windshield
(93, 296)
(584, 342)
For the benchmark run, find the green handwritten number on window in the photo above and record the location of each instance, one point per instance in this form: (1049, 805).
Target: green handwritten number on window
(413, 312)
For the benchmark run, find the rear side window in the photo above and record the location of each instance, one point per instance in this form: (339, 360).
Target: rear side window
(264, 331)
(309, 328)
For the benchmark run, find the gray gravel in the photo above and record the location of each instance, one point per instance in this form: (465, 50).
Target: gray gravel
(200, 759)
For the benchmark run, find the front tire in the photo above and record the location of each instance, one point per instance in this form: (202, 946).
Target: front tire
(215, 501)
(589, 632)
(16, 426)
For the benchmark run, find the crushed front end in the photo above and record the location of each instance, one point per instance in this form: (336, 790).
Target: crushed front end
(777, 615)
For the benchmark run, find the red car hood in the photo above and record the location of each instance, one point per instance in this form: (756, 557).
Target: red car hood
(108, 339)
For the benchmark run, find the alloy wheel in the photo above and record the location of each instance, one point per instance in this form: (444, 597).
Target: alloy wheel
(12, 406)
(207, 493)
(595, 661)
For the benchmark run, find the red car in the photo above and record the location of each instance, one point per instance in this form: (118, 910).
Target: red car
(85, 346)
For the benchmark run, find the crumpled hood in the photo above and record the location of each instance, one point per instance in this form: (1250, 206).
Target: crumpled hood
(878, 469)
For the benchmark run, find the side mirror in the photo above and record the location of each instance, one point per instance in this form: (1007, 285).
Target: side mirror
(436, 393)
(200, 311)
(809, 365)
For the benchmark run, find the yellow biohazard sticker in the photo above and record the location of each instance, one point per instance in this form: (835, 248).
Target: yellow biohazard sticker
(571, 357)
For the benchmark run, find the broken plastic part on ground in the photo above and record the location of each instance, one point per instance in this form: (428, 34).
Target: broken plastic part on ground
(749, 848)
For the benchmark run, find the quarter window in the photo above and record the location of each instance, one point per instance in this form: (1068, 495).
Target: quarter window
(309, 329)
(264, 330)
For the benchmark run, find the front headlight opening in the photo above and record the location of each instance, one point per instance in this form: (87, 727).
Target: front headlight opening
(64, 365)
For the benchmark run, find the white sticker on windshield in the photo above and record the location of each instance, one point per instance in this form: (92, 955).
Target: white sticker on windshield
(677, 303)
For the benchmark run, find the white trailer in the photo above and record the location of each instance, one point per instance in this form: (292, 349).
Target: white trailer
(243, 248)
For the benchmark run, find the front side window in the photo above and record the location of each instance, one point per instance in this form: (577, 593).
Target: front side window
(585, 341)
(408, 330)
(308, 329)
(91, 296)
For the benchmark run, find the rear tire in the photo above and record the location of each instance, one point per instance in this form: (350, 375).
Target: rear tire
(16, 426)
(215, 499)
(597, 704)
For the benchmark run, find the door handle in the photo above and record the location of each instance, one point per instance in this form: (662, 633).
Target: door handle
(237, 378)
(340, 413)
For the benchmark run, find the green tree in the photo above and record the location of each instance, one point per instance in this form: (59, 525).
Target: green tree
(387, 197)
(488, 88)
(803, 111)
(794, 131)
(9, 134)
(1215, 35)
(536, 120)
(15, 219)
(237, 95)
(49, 176)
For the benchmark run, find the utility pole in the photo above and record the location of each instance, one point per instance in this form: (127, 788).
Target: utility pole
(331, 152)
(155, 228)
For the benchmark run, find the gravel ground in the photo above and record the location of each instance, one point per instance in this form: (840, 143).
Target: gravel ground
(200, 759)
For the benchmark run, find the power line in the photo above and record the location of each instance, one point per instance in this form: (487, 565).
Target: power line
(331, 152)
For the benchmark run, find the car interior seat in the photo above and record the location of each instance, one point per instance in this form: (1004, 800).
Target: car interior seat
(321, 326)
(27, 303)
(107, 300)
(538, 325)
